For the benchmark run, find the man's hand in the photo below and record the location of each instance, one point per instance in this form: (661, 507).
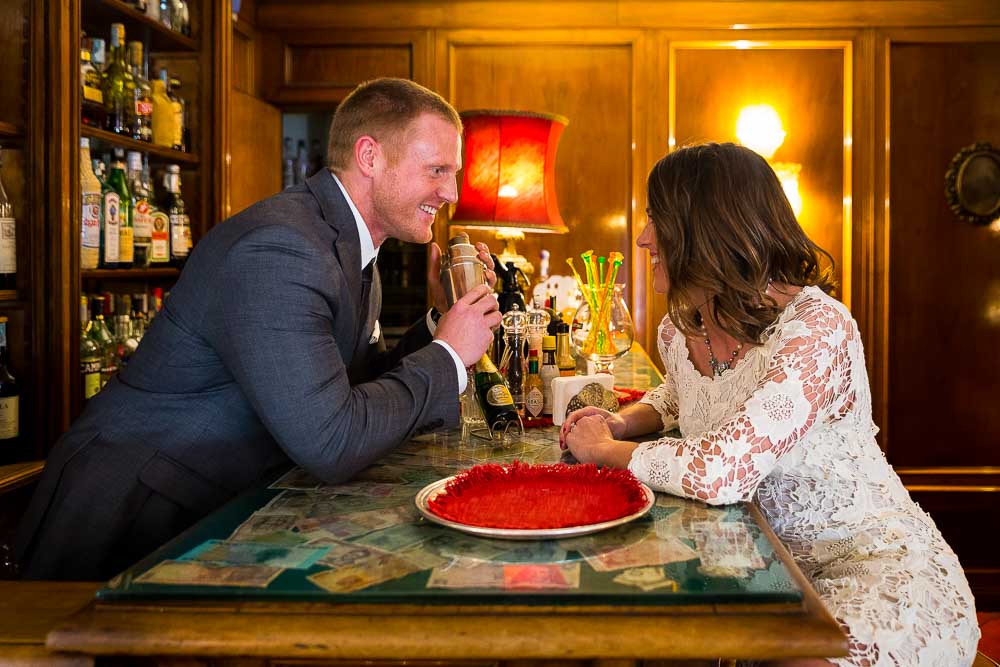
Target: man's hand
(614, 422)
(468, 326)
(438, 296)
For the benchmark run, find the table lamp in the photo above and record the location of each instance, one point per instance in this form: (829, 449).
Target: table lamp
(508, 180)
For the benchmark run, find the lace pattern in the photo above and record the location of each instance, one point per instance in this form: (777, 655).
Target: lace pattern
(790, 425)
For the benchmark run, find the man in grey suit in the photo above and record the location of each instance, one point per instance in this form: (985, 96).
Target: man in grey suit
(268, 350)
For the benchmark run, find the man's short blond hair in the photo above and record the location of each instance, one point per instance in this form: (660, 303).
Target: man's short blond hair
(382, 109)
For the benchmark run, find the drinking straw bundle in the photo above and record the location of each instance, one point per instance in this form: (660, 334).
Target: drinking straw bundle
(599, 293)
(545, 496)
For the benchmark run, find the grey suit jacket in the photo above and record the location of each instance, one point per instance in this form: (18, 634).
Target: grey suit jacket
(260, 354)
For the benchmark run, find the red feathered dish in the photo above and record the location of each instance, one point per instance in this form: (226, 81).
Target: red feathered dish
(523, 496)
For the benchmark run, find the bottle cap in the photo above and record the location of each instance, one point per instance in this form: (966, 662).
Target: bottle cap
(548, 342)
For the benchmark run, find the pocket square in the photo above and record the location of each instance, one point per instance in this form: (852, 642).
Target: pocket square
(376, 334)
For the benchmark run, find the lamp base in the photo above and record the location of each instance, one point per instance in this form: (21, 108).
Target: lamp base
(510, 254)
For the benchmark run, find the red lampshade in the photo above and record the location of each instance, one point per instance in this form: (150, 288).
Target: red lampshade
(509, 174)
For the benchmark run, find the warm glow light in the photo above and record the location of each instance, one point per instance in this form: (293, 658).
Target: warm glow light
(759, 129)
(741, 44)
(507, 191)
(788, 174)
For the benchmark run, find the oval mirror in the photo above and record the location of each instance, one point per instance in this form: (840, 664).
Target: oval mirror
(972, 184)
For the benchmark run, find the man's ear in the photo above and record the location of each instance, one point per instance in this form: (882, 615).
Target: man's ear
(367, 153)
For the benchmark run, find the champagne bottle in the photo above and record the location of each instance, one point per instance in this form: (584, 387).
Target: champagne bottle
(90, 220)
(9, 395)
(90, 355)
(494, 397)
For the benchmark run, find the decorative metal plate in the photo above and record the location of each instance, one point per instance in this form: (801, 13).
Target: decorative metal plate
(426, 494)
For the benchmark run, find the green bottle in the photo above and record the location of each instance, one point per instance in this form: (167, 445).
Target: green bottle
(494, 396)
(90, 355)
(119, 86)
(116, 192)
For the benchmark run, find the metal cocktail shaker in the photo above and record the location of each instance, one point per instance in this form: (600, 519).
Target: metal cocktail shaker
(461, 269)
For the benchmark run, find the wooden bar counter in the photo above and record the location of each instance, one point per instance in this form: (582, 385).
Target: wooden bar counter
(299, 571)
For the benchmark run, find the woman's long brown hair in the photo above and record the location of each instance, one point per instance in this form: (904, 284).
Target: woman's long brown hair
(725, 228)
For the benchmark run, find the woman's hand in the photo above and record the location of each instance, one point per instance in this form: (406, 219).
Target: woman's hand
(615, 423)
(591, 441)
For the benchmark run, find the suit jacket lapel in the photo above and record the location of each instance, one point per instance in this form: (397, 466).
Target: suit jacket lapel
(347, 246)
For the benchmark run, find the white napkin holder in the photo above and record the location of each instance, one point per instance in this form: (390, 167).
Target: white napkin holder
(565, 388)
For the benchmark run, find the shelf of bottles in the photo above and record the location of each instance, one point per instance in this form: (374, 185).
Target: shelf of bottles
(135, 139)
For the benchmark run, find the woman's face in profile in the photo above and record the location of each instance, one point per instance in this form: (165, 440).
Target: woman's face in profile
(647, 240)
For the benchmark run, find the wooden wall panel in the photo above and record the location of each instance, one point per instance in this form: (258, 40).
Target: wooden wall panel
(592, 86)
(13, 57)
(316, 67)
(255, 144)
(244, 66)
(944, 279)
(806, 87)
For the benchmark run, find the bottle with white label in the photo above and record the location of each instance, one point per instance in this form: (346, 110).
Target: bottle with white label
(90, 220)
(9, 395)
(8, 240)
(180, 224)
(142, 212)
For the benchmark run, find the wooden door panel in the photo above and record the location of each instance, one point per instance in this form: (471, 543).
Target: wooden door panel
(255, 147)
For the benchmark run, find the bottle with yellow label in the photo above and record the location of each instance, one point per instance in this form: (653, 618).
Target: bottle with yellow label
(90, 355)
(494, 397)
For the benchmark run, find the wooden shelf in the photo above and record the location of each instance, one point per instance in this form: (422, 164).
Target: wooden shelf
(16, 475)
(10, 130)
(102, 13)
(131, 274)
(154, 151)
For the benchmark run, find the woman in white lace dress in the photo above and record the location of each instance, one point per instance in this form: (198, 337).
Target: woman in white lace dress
(766, 380)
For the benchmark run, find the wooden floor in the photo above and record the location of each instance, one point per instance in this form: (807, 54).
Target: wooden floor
(989, 623)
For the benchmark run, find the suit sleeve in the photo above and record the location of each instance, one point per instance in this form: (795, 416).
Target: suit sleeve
(277, 309)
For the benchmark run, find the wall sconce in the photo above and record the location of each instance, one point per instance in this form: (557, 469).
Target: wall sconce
(508, 181)
(759, 129)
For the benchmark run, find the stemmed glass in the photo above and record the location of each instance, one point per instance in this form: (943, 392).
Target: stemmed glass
(606, 336)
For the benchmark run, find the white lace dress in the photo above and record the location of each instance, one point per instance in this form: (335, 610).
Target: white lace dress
(791, 424)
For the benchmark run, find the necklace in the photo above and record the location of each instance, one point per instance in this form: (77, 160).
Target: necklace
(718, 367)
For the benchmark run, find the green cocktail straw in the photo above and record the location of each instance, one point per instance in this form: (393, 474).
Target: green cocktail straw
(600, 270)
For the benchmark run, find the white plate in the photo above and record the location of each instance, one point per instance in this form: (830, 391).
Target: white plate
(430, 491)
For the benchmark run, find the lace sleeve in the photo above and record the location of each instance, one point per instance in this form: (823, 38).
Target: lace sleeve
(663, 399)
(809, 370)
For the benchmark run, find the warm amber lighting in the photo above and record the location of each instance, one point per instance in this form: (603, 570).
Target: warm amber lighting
(788, 174)
(758, 127)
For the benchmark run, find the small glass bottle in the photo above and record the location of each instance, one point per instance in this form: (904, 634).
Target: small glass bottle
(180, 224)
(142, 211)
(548, 372)
(534, 396)
(564, 357)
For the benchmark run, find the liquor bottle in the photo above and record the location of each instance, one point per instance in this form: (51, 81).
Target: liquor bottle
(90, 220)
(119, 86)
(301, 163)
(99, 332)
(182, 139)
(564, 358)
(92, 100)
(534, 397)
(550, 371)
(142, 116)
(494, 397)
(164, 116)
(9, 394)
(118, 183)
(287, 165)
(90, 355)
(180, 224)
(142, 212)
(8, 239)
